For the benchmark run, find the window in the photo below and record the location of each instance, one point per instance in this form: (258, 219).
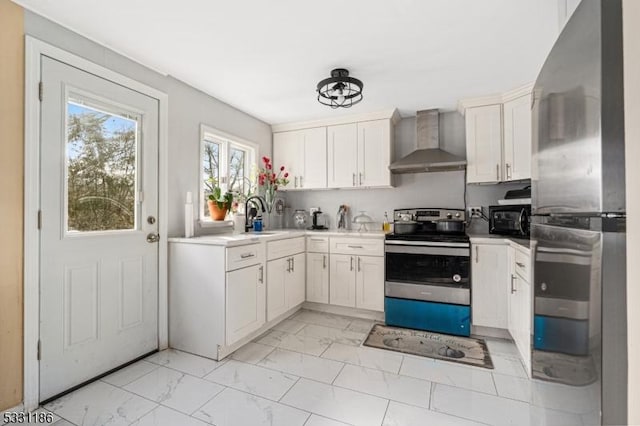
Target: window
(227, 161)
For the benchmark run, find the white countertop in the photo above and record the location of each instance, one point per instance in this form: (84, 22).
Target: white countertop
(498, 239)
(237, 239)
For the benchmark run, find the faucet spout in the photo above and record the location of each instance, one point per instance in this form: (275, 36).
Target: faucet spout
(247, 218)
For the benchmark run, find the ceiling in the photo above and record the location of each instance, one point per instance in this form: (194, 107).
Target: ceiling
(266, 57)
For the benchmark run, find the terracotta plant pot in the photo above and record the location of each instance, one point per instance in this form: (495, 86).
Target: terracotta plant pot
(215, 212)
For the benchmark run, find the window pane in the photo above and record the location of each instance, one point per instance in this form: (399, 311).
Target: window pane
(101, 170)
(211, 170)
(237, 170)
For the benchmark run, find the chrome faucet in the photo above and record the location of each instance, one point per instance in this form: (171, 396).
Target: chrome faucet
(247, 218)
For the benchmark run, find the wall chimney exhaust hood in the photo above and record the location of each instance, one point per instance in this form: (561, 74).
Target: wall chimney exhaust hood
(428, 157)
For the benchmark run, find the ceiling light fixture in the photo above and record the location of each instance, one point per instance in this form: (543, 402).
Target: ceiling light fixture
(340, 90)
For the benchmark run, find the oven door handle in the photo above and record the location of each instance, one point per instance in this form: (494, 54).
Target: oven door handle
(435, 251)
(424, 243)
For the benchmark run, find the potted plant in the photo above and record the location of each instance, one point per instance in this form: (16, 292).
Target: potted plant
(219, 204)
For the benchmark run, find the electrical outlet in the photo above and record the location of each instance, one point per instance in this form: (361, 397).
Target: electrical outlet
(474, 212)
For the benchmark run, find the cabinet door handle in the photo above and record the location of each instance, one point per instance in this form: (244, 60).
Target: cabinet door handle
(360, 177)
(289, 265)
(513, 287)
(293, 264)
(351, 267)
(508, 166)
(354, 180)
(295, 179)
(261, 279)
(301, 182)
(354, 247)
(247, 255)
(324, 261)
(520, 264)
(317, 239)
(477, 256)
(359, 259)
(497, 171)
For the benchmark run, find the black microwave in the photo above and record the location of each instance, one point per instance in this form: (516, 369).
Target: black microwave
(510, 220)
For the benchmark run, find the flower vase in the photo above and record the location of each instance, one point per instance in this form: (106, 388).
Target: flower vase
(270, 199)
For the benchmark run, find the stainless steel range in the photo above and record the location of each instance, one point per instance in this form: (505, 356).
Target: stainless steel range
(427, 274)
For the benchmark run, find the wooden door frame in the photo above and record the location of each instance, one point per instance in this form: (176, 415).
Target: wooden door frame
(34, 50)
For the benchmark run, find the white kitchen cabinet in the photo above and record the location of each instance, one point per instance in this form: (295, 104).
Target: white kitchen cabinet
(369, 288)
(285, 277)
(359, 154)
(304, 155)
(483, 126)
(318, 277)
(342, 149)
(342, 280)
(374, 153)
(489, 283)
(519, 303)
(245, 293)
(517, 138)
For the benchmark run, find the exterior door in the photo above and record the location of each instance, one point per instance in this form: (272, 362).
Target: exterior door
(98, 240)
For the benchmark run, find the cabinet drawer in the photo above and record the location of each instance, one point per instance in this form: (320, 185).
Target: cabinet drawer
(243, 256)
(282, 248)
(522, 266)
(357, 246)
(318, 244)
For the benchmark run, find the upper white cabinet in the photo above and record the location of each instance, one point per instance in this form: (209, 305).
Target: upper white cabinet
(483, 126)
(343, 155)
(347, 152)
(359, 154)
(498, 132)
(517, 138)
(304, 154)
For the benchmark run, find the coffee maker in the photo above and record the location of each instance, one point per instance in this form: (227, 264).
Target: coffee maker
(318, 221)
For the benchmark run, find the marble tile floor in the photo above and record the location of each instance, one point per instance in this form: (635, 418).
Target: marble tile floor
(312, 370)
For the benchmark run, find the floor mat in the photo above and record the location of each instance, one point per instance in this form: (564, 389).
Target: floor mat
(465, 350)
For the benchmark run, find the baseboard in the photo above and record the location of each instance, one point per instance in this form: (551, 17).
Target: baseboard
(499, 333)
(343, 310)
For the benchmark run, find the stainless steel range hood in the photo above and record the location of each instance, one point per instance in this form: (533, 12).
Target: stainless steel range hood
(428, 157)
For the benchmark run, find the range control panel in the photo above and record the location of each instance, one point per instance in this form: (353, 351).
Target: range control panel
(428, 215)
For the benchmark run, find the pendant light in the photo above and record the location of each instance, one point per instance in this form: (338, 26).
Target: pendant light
(340, 90)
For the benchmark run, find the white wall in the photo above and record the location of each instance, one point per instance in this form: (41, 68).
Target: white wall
(442, 189)
(188, 108)
(631, 29)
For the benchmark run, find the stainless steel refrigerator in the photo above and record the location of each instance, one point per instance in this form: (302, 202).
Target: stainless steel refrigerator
(578, 208)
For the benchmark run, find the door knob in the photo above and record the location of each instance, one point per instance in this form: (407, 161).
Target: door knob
(153, 237)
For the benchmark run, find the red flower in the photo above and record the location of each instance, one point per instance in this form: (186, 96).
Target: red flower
(286, 175)
(265, 159)
(268, 166)
(282, 168)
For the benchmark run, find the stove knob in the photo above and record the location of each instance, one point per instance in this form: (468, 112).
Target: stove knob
(457, 214)
(449, 216)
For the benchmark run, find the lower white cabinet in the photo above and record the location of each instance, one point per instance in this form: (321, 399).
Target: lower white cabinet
(318, 277)
(489, 283)
(285, 284)
(245, 298)
(519, 304)
(357, 281)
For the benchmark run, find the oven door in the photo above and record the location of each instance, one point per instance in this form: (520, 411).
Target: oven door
(432, 272)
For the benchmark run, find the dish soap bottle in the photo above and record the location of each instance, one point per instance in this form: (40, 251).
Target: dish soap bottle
(386, 226)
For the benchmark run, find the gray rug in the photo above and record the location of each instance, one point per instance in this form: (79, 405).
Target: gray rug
(465, 350)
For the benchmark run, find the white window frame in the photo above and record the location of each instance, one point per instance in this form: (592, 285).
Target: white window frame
(226, 141)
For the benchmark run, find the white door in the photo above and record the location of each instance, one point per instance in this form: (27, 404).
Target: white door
(287, 149)
(315, 158)
(490, 285)
(277, 271)
(370, 283)
(342, 280)
(318, 277)
(99, 186)
(517, 138)
(295, 285)
(342, 149)
(245, 302)
(374, 153)
(484, 143)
